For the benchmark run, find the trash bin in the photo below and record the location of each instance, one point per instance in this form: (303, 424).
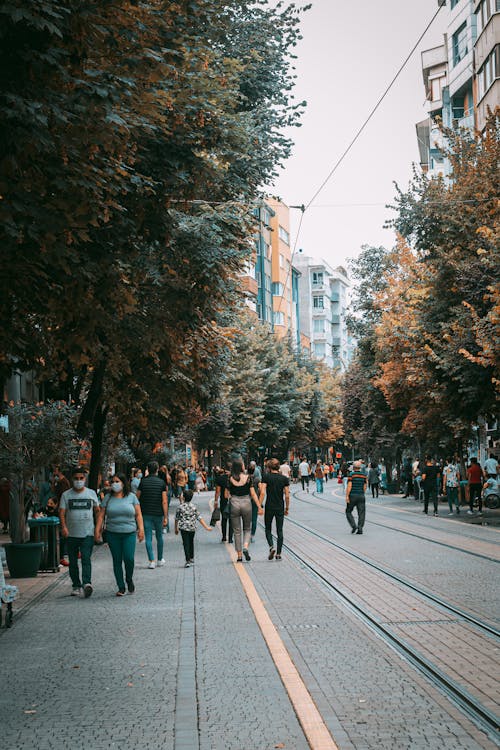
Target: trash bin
(45, 530)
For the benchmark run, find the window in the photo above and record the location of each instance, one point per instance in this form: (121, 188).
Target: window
(437, 88)
(283, 234)
(279, 318)
(453, 3)
(319, 350)
(488, 72)
(319, 325)
(277, 288)
(318, 303)
(282, 260)
(318, 278)
(485, 11)
(459, 44)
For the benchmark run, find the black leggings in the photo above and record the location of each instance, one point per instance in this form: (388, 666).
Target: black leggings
(279, 515)
(374, 489)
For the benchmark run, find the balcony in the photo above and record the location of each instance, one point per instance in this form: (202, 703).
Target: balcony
(335, 320)
(335, 297)
(249, 285)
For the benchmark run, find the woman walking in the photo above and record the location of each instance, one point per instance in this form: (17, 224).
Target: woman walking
(121, 515)
(319, 476)
(242, 493)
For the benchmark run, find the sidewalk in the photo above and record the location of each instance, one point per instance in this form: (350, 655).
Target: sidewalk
(30, 589)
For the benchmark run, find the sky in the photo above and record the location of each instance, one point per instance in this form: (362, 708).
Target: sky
(350, 51)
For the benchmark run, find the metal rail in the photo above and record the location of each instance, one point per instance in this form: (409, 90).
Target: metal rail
(404, 581)
(484, 718)
(403, 531)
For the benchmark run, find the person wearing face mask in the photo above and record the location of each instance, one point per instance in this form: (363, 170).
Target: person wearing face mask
(124, 523)
(77, 510)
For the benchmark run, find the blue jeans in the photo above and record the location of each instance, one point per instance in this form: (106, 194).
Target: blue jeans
(156, 523)
(319, 485)
(122, 548)
(84, 545)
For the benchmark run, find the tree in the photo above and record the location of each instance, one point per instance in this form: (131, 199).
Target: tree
(155, 129)
(39, 435)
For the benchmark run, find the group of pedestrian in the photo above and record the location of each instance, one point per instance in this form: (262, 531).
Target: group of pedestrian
(432, 478)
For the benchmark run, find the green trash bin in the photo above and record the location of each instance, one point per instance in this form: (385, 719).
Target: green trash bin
(45, 530)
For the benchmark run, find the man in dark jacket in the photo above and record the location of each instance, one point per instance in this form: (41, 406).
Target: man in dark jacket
(152, 494)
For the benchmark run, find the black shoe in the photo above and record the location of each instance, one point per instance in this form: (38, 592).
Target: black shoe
(278, 557)
(87, 590)
(247, 554)
(131, 587)
(353, 530)
(272, 553)
(223, 539)
(359, 531)
(239, 559)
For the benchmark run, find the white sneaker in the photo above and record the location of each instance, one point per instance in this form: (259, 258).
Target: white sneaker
(470, 513)
(152, 565)
(76, 592)
(161, 563)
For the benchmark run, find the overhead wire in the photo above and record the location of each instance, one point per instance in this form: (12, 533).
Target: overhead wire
(304, 208)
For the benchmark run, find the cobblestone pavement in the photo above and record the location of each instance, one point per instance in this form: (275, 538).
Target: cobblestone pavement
(182, 664)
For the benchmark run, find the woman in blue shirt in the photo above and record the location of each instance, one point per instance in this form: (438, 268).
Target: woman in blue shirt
(121, 515)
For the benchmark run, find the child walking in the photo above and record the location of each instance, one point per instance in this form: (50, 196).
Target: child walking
(185, 521)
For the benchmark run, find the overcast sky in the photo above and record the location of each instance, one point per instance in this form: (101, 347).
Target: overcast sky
(350, 52)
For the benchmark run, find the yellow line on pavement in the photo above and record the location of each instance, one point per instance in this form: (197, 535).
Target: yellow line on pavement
(315, 729)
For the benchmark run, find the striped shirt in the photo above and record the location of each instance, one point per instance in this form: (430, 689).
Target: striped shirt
(357, 480)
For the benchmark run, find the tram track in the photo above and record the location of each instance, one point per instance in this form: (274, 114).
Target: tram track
(474, 708)
(452, 609)
(414, 534)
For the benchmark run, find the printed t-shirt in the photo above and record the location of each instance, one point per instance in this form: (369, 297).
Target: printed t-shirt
(79, 507)
(151, 489)
(186, 516)
(120, 513)
(474, 474)
(451, 475)
(285, 470)
(275, 484)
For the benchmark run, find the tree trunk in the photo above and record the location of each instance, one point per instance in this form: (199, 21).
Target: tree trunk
(99, 423)
(92, 402)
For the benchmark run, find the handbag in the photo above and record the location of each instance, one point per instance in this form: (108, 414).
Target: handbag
(215, 516)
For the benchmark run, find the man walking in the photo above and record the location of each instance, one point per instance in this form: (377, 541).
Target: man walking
(275, 487)
(430, 477)
(256, 475)
(152, 495)
(491, 467)
(357, 482)
(475, 477)
(77, 511)
(304, 471)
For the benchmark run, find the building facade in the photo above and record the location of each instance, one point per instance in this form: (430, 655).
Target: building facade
(461, 77)
(323, 299)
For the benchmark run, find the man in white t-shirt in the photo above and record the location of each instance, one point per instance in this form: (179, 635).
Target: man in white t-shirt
(77, 511)
(304, 472)
(285, 469)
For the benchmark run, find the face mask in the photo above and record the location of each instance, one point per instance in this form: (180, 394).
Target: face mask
(117, 486)
(79, 484)
(139, 475)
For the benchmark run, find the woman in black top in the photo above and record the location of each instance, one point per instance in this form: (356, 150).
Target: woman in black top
(242, 493)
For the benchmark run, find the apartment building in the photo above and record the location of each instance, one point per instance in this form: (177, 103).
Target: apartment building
(323, 299)
(461, 76)
(281, 267)
(487, 58)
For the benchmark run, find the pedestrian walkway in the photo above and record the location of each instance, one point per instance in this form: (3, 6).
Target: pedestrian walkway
(192, 661)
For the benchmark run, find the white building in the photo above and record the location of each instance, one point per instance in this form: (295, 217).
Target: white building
(323, 300)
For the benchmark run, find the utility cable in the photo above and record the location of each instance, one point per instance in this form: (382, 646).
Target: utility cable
(339, 161)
